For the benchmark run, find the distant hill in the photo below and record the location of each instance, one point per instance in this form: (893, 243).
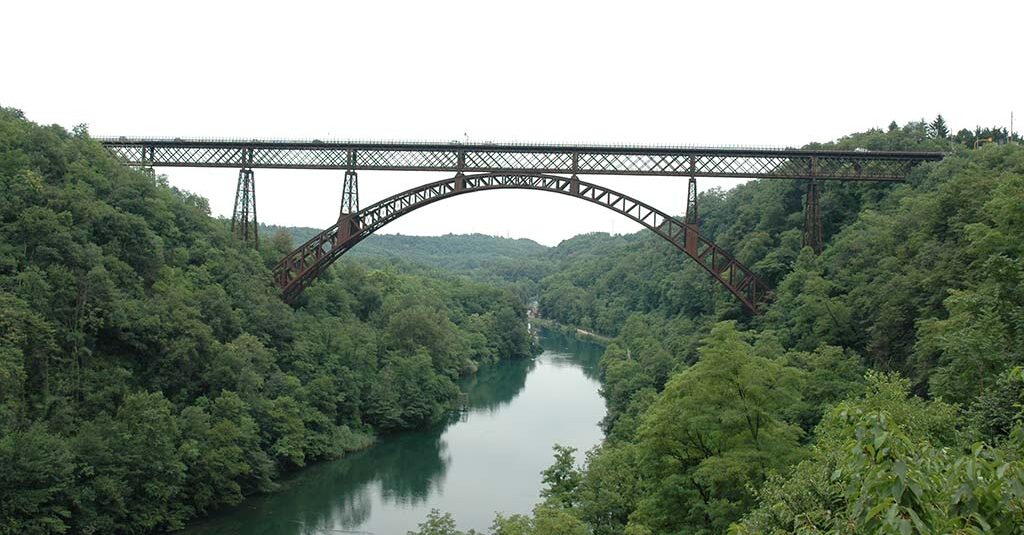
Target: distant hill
(299, 234)
(459, 252)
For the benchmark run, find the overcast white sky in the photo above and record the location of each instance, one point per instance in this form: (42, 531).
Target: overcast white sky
(760, 73)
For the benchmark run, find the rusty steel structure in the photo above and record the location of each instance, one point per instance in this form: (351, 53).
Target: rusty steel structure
(244, 224)
(541, 167)
(690, 217)
(297, 270)
(814, 232)
(519, 158)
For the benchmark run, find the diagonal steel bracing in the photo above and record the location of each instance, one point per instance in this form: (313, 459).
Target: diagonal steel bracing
(298, 270)
(519, 158)
(522, 166)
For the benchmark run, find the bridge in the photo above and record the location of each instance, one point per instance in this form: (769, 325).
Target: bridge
(489, 166)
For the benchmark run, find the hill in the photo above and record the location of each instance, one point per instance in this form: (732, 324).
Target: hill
(881, 392)
(452, 252)
(149, 371)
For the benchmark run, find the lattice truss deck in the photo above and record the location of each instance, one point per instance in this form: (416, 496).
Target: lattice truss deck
(536, 159)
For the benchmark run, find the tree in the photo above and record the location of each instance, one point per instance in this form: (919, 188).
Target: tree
(715, 432)
(437, 523)
(858, 471)
(609, 489)
(36, 480)
(562, 478)
(149, 371)
(938, 128)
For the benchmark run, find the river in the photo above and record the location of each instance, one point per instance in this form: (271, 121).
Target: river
(484, 460)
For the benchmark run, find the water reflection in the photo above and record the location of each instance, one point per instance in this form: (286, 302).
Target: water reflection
(574, 352)
(490, 461)
(496, 386)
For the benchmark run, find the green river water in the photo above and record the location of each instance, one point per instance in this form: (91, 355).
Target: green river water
(484, 460)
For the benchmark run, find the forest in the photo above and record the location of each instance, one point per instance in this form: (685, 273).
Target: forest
(150, 372)
(881, 392)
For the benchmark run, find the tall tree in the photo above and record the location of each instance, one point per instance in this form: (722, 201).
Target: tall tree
(715, 433)
(938, 128)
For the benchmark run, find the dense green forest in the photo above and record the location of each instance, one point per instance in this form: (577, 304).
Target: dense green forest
(518, 264)
(451, 252)
(881, 392)
(149, 371)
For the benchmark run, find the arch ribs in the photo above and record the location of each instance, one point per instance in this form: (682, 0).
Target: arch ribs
(299, 269)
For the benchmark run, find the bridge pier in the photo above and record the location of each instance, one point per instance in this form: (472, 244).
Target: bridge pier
(243, 220)
(691, 220)
(348, 223)
(350, 193)
(691, 204)
(813, 228)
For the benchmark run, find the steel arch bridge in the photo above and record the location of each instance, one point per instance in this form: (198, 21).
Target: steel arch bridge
(490, 166)
(300, 267)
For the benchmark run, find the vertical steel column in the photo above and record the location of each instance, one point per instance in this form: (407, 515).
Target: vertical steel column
(574, 181)
(460, 177)
(348, 223)
(813, 231)
(350, 193)
(244, 224)
(691, 218)
(691, 204)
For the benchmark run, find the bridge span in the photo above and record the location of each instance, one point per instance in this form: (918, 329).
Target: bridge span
(543, 167)
(519, 157)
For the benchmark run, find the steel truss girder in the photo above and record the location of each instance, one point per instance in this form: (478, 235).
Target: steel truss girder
(298, 269)
(530, 159)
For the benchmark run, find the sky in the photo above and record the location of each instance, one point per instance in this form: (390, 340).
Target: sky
(706, 73)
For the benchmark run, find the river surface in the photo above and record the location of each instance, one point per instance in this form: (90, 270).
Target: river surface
(484, 460)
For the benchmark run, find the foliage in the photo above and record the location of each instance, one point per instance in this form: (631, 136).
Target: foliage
(561, 479)
(922, 280)
(149, 371)
(715, 431)
(888, 463)
(438, 523)
(517, 263)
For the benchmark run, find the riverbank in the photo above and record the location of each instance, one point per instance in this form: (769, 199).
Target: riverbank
(571, 330)
(517, 409)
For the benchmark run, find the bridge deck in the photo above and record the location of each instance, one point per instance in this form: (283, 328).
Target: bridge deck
(526, 158)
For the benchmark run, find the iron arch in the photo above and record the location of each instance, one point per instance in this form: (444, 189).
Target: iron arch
(298, 269)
